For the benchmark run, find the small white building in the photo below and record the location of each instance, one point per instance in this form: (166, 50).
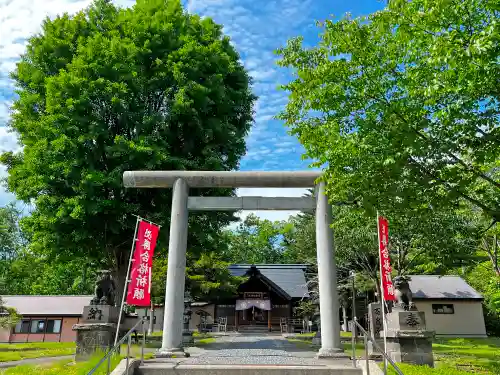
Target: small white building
(452, 307)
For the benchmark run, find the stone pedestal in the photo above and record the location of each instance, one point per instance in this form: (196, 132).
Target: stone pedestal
(92, 338)
(97, 331)
(317, 338)
(373, 352)
(187, 339)
(100, 314)
(408, 340)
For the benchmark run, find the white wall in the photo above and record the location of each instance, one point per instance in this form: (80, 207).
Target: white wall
(467, 321)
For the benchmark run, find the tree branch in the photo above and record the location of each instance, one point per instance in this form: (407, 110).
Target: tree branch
(422, 169)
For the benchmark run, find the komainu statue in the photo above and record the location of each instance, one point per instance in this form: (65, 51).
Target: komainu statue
(403, 293)
(104, 293)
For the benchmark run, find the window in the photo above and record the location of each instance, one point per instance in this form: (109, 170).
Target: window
(22, 327)
(53, 326)
(442, 309)
(37, 326)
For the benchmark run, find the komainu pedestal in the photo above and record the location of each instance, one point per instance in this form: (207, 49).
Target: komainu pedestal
(408, 340)
(92, 338)
(96, 332)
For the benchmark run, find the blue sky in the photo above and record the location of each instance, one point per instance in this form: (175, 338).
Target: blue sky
(256, 28)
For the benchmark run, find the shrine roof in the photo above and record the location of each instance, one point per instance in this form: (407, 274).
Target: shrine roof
(288, 277)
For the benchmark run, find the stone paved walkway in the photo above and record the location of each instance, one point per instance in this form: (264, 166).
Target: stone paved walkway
(251, 350)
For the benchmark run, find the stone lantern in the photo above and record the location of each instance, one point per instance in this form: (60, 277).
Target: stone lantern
(187, 335)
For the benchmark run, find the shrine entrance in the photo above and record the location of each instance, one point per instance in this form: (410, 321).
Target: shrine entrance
(182, 203)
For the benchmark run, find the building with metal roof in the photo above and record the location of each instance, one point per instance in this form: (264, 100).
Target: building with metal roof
(452, 307)
(450, 287)
(48, 305)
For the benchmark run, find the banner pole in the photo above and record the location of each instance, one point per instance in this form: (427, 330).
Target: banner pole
(126, 279)
(382, 296)
(143, 219)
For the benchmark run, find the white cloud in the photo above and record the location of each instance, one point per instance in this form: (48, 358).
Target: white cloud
(8, 141)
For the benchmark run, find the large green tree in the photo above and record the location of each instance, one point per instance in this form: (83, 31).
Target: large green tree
(42, 274)
(11, 239)
(107, 90)
(401, 106)
(255, 241)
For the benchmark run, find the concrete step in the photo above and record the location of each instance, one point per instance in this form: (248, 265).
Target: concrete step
(253, 329)
(158, 368)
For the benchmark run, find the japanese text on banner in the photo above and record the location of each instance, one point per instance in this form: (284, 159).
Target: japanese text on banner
(139, 288)
(385, 261)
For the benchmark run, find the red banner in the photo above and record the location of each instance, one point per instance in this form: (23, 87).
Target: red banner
(139, 288)
(385, 260)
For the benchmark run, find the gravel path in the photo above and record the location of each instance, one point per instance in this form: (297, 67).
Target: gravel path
(252, 350)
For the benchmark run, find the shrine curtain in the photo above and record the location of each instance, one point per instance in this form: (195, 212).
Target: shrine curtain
(243, 304)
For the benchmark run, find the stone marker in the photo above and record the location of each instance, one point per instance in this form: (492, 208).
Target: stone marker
(375, 327)
(98, 327)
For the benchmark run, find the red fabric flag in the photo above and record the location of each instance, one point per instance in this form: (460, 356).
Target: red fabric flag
(385, 261)
(139, 288)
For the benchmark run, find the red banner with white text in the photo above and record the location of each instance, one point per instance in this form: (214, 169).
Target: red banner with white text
(139, 288)
(385, 261)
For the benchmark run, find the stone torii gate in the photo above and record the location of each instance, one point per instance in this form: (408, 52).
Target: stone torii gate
(181, 181)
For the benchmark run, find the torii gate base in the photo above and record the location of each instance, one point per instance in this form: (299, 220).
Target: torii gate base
(180, 181)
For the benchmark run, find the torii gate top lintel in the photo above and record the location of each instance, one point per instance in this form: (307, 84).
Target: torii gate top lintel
(223, 179)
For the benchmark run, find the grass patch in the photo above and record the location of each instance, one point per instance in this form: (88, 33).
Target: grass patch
(468, 355)
(16, 352)
(68, 367)
(209, 340)
(460, 357)
(310, 335)
(451, 356)
(424, 370)
(306, 343)
(195, 334)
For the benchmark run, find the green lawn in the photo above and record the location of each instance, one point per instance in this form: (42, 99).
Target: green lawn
(452, 356)
(16, 352)
(68, 367)
(468, 355)
(311, 334)
(195, 334)
(305, 341)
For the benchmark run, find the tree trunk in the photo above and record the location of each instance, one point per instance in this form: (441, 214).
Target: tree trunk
(495, 256)
(119, 277)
